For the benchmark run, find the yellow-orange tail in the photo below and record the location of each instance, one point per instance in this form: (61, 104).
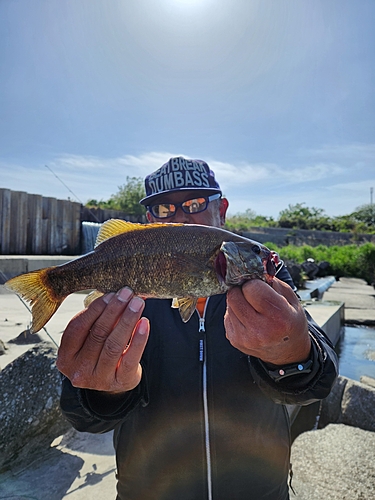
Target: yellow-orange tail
(33, 287)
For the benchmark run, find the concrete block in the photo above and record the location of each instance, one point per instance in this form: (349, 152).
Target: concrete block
(30, 416)
(10, 267)
(331, 405)
(358, 405)
(35, 263)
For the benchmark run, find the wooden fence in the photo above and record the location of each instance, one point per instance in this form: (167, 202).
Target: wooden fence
(31, 224)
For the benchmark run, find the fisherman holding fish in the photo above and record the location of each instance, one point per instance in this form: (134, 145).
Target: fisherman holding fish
(196, 392)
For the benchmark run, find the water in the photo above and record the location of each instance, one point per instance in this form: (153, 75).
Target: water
(356, 351)
(89, 234)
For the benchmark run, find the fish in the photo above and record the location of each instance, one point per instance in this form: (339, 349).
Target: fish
(160, 260)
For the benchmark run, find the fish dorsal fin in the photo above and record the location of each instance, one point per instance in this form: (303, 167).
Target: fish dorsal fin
(186, 306)
(114, 227)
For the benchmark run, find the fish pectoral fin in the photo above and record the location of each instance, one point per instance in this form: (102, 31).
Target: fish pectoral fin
(95, 294)
(186, 307)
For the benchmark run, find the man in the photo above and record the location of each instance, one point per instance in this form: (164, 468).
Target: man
(197, 407)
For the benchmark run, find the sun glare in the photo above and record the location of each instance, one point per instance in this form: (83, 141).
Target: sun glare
(187, 4)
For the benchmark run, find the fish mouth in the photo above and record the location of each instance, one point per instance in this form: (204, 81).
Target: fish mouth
(239, 262)
(221, 267)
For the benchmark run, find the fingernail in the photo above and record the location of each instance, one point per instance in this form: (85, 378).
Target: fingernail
(136, 304)
(143, 326)
(124, 294)
(107, 297)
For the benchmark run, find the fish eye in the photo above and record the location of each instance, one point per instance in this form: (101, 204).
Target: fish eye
(256, 249)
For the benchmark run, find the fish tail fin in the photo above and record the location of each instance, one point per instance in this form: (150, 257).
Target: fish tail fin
(35, 289)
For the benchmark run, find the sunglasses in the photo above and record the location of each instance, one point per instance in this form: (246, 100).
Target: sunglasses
(193, 206)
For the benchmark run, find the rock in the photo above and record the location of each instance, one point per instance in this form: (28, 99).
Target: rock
(358, 405)
(331, 405)
(310, 268)
(296, 273)
(335, 463)
(3, 347)
(350, 402)
(30, 414)
(364, 379)
(323, 269)
(26, 337)
(369, 354)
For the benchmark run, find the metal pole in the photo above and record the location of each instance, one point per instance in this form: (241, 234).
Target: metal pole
(371, 192)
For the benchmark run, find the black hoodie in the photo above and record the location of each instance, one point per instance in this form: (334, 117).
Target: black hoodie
(206, 422)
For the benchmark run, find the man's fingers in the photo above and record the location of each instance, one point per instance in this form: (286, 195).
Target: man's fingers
(116, 342)
(285, 290)
(129, 362)
(265, 299)
(102, 346)
(76, 332)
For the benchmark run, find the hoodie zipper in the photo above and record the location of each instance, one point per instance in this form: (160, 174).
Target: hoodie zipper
(203, 360)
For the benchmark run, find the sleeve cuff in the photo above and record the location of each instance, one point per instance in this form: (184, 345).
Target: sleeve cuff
(113, 406)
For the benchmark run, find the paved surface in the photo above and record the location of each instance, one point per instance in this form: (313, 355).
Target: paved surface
(359, 299)
(333, 463)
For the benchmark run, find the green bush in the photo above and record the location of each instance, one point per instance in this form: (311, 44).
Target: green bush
(299, 216)
(355, 261)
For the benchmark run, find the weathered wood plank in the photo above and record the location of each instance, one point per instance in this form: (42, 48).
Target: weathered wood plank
(35, 231)
(52, 226)
(23, 220)
(6, 222)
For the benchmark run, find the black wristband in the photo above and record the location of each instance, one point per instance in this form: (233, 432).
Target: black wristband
(283, 372)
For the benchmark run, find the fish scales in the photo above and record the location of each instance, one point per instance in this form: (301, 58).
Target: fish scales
(166, 263)
(156, 260)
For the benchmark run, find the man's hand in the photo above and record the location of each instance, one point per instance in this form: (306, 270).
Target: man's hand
(267, 322)
(102, 346)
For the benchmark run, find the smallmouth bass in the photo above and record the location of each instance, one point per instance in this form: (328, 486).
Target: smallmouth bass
(164, 260)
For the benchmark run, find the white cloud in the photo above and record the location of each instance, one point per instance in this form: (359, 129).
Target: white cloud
(230, 175)
(353, 152)
(266, 188)
(307, 173)
(360, 187)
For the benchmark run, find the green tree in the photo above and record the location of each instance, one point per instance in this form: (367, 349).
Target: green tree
(300, 217)
(365, 214)
(126, 199)
(243, 221)
(128, 196)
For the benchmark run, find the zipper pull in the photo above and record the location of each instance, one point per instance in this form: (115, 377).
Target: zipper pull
(201, 325)
(201, 341)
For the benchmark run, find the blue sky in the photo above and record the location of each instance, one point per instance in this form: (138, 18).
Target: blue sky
(276, 95)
